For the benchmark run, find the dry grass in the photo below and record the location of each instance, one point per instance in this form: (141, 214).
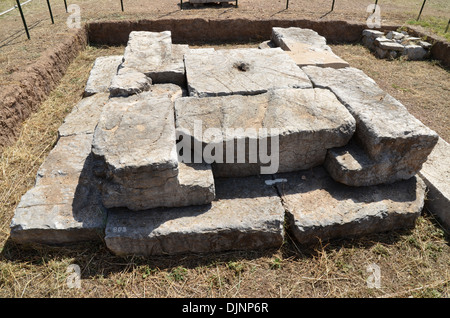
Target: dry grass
(412, 262)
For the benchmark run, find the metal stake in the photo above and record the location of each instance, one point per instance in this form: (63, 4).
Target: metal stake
(446, 29)
(23, 19)
(65, 4)
(332, 6)
(375, 7)
(121, 4)
(423, 4)
(50, 10)
(287, 4)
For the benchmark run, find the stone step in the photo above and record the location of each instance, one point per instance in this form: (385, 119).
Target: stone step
(241, 72)
(306, 47)
(384, 127)
(301, 123)
(436, 174)
(246, 215)
(104, 69)
(84, 116)
(318, 208)
(351, 165)
(135, 154)
(129, 82)
(65, 204)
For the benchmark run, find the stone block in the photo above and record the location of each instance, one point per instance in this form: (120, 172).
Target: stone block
(241, 71)
(128, 82)
(65, 204)
(436, 174)
(84, 116)
(318, 208)
(384, 126)
(104, 69)
(246, 215)
(306, 123)
(306, 47)
(135, 154)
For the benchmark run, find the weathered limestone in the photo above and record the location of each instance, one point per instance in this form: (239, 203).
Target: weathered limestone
(267, 45)
(128, 82)
(246, 215)
(415, 52)
(387, 44)
(153, 54)
(306, 121)
(241, 71)
(84, 116)
(105, 67)
(306, 47)
(65, 204)
(384, 128)
(135, 152)
(319, 208)
(436, 174)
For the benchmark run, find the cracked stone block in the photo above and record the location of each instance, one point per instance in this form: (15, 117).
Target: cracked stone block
(384, 127)
(104, 69)
(153, 54)
(306, 47)
(128, 82)
(246, 215)
(351, 165)
(84, 116)
(65, 204)
(436, 174)
(241, 71)
(135, 154)
(317, 207)
(306, 122)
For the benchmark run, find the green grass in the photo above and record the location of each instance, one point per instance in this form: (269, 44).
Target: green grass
(436, 25)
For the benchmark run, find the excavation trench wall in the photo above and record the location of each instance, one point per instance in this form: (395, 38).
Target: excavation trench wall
(32, 85)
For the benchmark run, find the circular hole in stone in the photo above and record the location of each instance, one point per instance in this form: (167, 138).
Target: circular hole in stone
(242, 66)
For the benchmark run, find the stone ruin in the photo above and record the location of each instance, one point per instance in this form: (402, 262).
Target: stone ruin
(349, 153)
(394, 44)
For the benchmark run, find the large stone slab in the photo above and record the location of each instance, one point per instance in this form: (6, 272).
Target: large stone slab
(436, 174)
(84, 116)
(246, 215)
(317, 207)
(104, 69)
(241, 71)
(65, 204)
(135, 151)
(128, 82)
(153, 54)
(384, 127)
(305, 123)
(306, 47)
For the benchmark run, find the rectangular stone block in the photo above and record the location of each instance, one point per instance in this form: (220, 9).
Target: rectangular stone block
(65, 204)
(153, 54)
(84, 116)
(241, 71)
(135, 153)
(317, 207)
(306, 123)
(306, 47)
(247, 214)
(436, 174)
(384, 127)
(105, 67)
